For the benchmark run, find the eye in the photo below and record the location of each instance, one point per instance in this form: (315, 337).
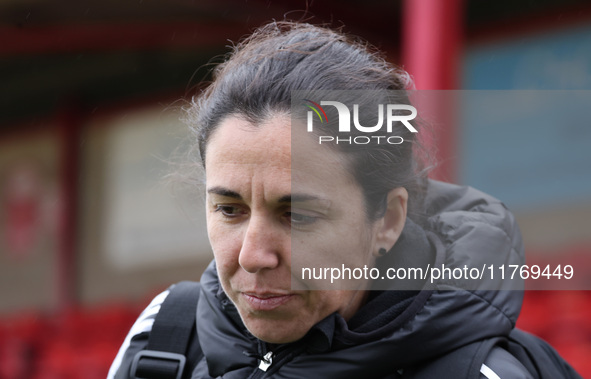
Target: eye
(229, 211)
(298, 219)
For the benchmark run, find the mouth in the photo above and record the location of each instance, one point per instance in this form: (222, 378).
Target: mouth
(266, 301)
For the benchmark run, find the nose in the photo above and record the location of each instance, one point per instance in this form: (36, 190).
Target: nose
(261, 246)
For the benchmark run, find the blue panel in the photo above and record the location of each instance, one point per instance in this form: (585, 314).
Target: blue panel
(529, 148)
(561, 60)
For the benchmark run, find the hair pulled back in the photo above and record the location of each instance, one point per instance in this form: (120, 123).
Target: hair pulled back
(258, 77)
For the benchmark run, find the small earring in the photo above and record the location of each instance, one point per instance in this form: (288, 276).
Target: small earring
(382, 252)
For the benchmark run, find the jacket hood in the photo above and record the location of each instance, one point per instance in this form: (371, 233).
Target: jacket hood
(413, 321)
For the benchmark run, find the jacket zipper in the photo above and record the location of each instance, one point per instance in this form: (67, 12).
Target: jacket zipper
(266, 361)
(271, 358)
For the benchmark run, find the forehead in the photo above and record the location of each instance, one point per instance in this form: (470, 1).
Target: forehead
(238, 141)
(240, 152)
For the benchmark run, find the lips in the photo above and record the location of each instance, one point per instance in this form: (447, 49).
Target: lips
(266, 301)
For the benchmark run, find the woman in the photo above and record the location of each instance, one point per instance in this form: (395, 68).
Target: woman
(283, 199)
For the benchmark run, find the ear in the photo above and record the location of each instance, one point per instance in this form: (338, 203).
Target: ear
(390, 226)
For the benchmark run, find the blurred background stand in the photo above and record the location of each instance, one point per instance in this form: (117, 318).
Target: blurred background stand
(91, 93)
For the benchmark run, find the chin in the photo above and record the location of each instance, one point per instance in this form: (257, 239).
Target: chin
(272, 331)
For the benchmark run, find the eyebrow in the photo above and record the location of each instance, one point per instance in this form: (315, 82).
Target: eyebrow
(224, 192)
(295, 198)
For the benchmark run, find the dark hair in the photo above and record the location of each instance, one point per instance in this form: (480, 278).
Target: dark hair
(257, 80)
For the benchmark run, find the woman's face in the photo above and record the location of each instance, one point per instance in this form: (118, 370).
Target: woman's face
(255, 217)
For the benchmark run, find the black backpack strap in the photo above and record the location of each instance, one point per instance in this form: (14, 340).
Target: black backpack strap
(464, 362)
(539, 357)
(171, 337)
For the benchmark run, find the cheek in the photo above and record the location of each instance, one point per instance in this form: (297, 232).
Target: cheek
(226, 245)
(325, 302)
(334, 245)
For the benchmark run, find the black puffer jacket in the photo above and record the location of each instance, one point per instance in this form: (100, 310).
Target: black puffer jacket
(406, 333)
